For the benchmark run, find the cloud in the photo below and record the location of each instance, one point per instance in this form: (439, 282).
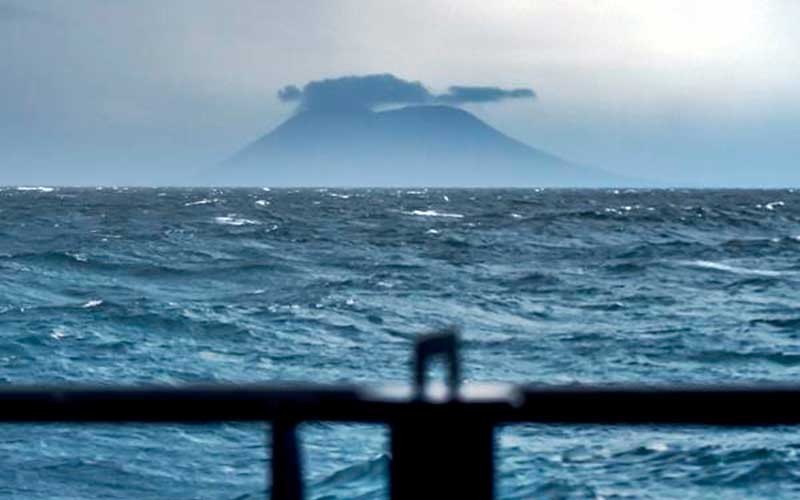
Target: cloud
(356, 92)
(369, 91)
(459, 94)
(290, 93)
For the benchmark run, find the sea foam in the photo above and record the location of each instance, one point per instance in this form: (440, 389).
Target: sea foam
(234, 221)
(434, 213)
(719, 266)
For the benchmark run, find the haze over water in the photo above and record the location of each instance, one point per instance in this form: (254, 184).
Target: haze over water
(551, 286)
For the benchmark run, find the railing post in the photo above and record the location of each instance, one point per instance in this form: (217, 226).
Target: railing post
(287, 475)
(440, 458)
(437, 452)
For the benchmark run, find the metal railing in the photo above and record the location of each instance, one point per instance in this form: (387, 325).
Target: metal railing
(442, 439)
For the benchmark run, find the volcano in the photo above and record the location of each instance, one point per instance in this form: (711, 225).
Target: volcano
(431, 146)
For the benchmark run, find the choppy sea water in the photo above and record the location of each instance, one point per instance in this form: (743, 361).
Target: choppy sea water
(109, 286)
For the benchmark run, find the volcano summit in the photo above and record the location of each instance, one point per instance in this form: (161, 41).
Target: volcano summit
(337, 140)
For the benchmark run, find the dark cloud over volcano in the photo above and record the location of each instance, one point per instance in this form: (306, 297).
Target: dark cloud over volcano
(459, 94)
(365, 92)
(356, 92)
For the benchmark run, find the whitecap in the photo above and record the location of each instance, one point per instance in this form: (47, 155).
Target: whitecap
(78, 256)
(204, 201)
(216, 357)
(57, 333)
(341, 196)
(234, 221)
(40, 189)
(657, 446)
(433, 231)
(434, 213)
(262, 203)
(266, 189)
(773, 204)
(446, 198)
(92, 303)
(622, 209)
(719, 266)
(516, 216)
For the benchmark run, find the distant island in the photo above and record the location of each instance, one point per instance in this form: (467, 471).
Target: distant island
(334, 141)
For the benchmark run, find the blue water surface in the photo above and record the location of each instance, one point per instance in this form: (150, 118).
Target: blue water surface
(124, 285)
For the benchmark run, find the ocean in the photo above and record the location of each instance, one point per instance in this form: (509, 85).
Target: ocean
(169, 286)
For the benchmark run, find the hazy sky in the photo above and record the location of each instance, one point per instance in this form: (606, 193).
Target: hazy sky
(146, 91)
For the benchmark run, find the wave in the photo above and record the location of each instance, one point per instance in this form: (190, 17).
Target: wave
(785, 323)
(434, 213)
(47, 257)
(105, 264)
(663, 249)
(374, 467)
(533, 281)
(720, 266)
(772, 205)
(787, 359)
(204, 201)
(235, 221)
(626, 267)
(92, 304)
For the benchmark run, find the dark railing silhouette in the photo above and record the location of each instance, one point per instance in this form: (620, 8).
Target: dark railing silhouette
(442, 438)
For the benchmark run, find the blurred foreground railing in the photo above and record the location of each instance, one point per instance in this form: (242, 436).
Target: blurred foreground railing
(442, 439)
